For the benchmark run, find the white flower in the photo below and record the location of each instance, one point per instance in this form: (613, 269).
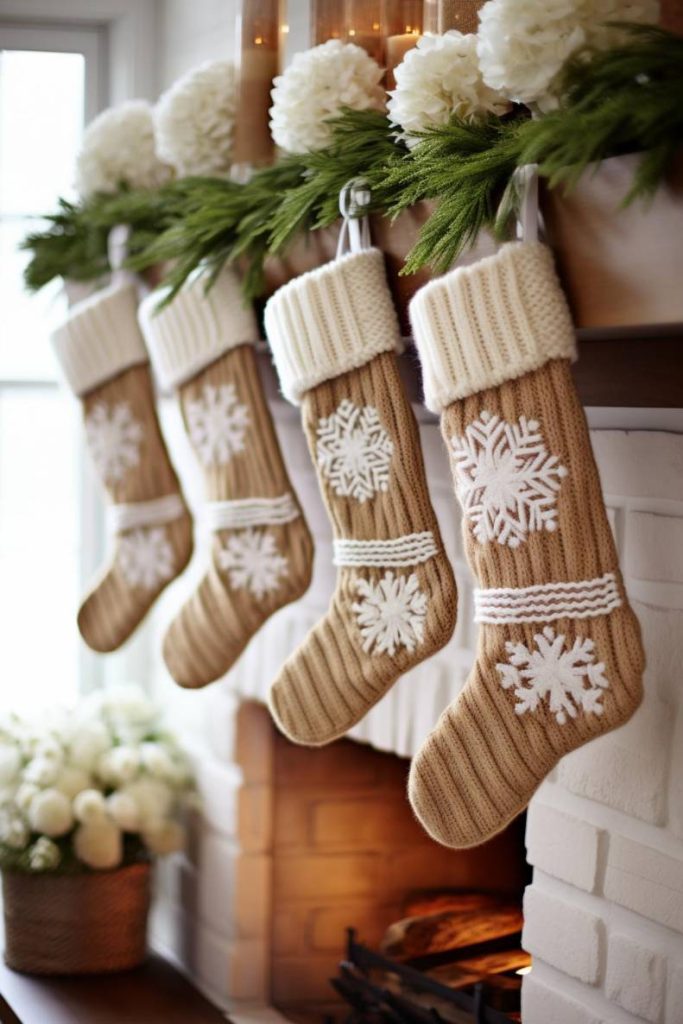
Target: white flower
(44, 855)
(217, 423)
(23, 798)
(114, 438)
(119, 765)
(14, 831)
(50, 813)
(145, 557)
(391, 613)
(119, 149)
(354, 451)
(89, 741)
(164, 837)
(253, 562)
(316, 86)
(154, 800)
(523, 44)
(99, 844)
(42, 771)
(71, 780)
(438, 78)
(156, 760)
(89, 805)
(129, 711)
(194, 120)
(10, 763)
(123, 809)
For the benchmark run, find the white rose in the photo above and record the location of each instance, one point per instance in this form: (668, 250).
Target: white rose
(10, 763)
(88, 744)
(99, 844)
(72, 780)
(123, 809)
(89, 805)
(50, 813)
(119, 765)
(44, 855)
(153, 798)
(164, 837)
(42, 771)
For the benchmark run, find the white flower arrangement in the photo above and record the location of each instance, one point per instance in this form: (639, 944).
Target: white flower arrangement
(194, 120)
(102, 786)
(438, 78)
(118, 149)
(316, 86)
(524, 44)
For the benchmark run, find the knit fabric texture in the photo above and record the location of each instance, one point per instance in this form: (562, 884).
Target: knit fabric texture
(496, 320)
(197, 327)
(100, 338)
(331, 320)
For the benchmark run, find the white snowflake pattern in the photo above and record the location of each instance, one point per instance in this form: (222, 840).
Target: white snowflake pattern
(217, 423)
(354, 451)
(114, 437)
(506, 479)
(554, 674)
(145, 558)
(391, 614)
(253, 562)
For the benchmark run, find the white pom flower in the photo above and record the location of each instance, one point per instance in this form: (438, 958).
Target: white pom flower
(164, 837)
(89, 805)
(119, 766)
(50, 813)
(154, 800)
(157, 761)
(194, 120)
(10, 763)
(42, 771)
(14, 831)
(130, 712)
(523, 44)
(44, 855)
(438, 78)
(119, 149)
(90, 740)
(99, 844)
(316, 86)
(23, 798)
(123, 809)
(72, 780)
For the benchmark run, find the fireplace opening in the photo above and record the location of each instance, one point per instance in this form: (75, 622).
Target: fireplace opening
(425, 920)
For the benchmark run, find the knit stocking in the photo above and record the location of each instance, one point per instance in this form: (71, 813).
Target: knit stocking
(262, 553)
(559, 658)
(105, 363)
(334, 335)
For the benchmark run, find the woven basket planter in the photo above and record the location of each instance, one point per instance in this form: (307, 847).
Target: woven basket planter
(76, 924)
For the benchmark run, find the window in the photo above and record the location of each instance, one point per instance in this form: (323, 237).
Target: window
(48, 88)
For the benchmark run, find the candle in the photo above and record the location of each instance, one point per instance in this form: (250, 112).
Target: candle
(396, 48)
(327, 21)
(364, 26)
(403, 27)
(258, 57)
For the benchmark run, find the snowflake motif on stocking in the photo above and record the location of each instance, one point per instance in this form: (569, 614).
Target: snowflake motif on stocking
(217, 423)
(145, 558)
(506, 479)
(569, 680)
(391, 613)
(253, 562)
(114, 437)
(354, 451)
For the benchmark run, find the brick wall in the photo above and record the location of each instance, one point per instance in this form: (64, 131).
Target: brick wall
(604, 916)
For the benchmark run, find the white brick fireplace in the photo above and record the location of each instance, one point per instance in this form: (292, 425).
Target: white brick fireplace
(604, 915)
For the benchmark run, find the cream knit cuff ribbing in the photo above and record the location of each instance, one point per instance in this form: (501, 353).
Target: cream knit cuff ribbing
(100, 338)
(331, 320)
(494, 321)
(197, 327)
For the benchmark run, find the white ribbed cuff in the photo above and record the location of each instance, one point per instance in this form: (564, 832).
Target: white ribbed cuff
(331, 320)
(100, 338)
(494, 321)
(197, 327)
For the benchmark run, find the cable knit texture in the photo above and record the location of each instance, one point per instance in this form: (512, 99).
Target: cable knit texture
(197, 327)
(100, 338)
(331, 320)
(481, 325)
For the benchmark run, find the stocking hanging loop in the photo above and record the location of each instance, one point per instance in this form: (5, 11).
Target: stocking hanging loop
(354, 235)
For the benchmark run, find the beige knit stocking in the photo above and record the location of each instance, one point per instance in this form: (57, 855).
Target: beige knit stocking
(104, 360)
(261, 552)
(560, 658)
(334, 336)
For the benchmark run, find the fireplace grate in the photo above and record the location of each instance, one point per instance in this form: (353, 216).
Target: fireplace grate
(363, 984)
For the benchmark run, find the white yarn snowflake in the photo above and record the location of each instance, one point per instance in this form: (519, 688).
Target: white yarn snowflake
(554, 674)
(145, 558)
(391, 613)
(217, 423)
(114, 438)
(354, 451)
(506, 479)
(253, 562)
